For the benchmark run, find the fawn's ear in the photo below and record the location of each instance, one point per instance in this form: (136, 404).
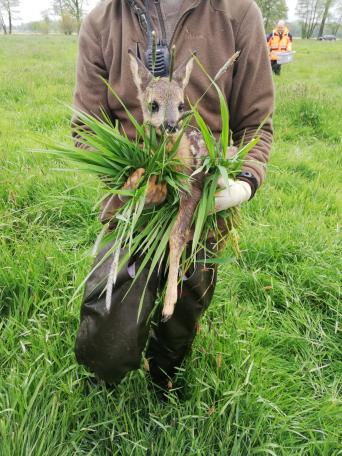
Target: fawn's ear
(183, 72)
(141, 75)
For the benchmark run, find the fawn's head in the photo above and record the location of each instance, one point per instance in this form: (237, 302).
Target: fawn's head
(162, 100)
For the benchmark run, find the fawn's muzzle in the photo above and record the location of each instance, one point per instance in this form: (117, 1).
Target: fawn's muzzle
(171, 127)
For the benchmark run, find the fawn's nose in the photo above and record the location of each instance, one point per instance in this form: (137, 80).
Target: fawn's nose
(171, 127)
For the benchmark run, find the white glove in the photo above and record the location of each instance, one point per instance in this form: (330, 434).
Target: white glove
(236, 193)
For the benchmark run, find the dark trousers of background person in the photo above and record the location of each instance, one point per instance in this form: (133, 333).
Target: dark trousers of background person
(276, 67)
(110, 344)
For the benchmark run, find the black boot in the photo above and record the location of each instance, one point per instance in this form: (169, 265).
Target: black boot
(170, 342)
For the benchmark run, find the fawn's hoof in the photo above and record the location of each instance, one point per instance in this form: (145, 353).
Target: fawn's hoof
(168, 309)
(165, 318)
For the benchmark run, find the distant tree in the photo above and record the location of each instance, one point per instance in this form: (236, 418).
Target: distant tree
(68, 24)
(58, 7)
(46, 22)
(39, 27)
(310, 13)
(9, 8)
(76, 9)
(272, 11)
(336, 18)
(327, 7)
(295, 28)
(69, 9)
(3, 23)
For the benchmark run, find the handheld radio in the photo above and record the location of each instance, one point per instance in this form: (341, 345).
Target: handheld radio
(161, 65)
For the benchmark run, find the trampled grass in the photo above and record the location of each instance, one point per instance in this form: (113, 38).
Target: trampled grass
(265, 373)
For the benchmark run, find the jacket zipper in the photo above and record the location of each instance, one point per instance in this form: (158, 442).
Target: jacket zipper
(162, 23)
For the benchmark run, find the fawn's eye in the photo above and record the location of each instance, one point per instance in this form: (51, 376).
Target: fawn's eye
(153, 107)
(181, 107)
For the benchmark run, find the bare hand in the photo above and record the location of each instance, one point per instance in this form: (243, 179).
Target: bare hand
(156, 193)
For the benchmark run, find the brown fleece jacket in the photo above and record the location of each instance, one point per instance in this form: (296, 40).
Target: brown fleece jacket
(215, 29)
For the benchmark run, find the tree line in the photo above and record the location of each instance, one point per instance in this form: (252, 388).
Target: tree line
(66, 14)
(313, 15)
(8, 12)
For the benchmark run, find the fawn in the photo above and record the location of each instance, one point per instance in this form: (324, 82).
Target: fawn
(162, 104)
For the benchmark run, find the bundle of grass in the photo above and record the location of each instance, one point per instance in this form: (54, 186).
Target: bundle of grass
(162, 154)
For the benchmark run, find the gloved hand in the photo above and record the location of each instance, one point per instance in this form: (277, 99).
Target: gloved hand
(236, 193)
(156, 194)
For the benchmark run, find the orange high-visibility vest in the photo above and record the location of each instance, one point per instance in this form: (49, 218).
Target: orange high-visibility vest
(279, 44)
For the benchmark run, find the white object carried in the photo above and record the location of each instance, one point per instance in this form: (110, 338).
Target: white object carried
(284, 57)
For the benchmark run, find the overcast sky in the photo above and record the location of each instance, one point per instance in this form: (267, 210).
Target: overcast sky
(30, 9)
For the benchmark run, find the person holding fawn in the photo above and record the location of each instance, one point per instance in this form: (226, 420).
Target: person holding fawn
(115, 44)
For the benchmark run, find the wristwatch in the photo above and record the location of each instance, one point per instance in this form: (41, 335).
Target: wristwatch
(248, 177)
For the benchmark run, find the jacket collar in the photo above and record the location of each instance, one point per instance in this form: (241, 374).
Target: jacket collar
(187, 4)
(218, 5)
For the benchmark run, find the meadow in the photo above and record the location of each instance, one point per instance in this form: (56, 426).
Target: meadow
(264, 376)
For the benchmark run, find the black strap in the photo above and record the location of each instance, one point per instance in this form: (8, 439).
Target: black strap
(162, 64)
(248, 177)
(143, 17)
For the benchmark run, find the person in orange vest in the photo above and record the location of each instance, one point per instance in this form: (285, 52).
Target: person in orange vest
(280, 40)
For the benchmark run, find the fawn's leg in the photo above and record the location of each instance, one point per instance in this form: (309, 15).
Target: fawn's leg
(177, 244)
(171, 341)
(176, 249)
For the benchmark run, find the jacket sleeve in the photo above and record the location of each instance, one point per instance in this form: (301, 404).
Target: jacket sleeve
(90, 93)
(252, 97)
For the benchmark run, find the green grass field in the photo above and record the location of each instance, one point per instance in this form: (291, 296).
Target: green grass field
(264, 377)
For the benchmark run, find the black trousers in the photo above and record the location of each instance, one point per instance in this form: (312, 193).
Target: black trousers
(110, 344)
(276, 67)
